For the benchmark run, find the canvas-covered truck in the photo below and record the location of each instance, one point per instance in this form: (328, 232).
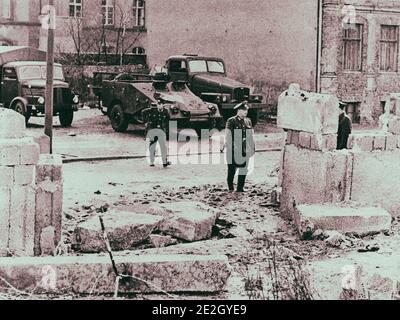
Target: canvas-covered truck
(23, 84)
(126, 95)
(206, 77)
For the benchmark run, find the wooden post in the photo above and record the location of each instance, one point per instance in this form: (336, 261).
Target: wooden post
(48, 127)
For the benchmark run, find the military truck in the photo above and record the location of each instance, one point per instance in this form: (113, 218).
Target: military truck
(125, 95)
(23, 84)
(206, 77)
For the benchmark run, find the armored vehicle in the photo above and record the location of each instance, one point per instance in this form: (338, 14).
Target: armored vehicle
(23, 83)
(206, 77)
(126, 95)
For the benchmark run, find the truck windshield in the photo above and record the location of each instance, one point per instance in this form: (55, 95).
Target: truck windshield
(39, 72)
(206, 66)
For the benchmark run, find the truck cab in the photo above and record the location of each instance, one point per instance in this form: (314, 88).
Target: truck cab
(207, 78)
(23, 85)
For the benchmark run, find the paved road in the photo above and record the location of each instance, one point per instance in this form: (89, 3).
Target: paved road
(92, 136)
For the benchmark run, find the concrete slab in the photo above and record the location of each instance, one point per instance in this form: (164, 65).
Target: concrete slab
(309, 112)
(93, 274)
(124, 230)
(189, 221)
(346, 218)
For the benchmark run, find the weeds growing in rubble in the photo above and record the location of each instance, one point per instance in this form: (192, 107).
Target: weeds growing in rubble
(281, 277)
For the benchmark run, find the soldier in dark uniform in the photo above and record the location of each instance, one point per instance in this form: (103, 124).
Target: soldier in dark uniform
(239, 142)
(157, 122)
(344, 127)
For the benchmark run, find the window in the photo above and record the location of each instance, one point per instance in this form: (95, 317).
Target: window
(107, 7)
(138, 12)
(353, 111)
(352, 48)
(75, 8)
(10, 74)
(6, 9)
(389, 47)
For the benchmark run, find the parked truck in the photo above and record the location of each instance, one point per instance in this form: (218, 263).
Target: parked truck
(23, 84)
(206, 77)
(124, 96)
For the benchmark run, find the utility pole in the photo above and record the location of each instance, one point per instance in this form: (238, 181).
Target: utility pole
(48, 125)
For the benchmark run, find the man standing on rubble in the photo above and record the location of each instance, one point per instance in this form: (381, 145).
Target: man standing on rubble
(239, 142)
(344, 127)
(157, 122)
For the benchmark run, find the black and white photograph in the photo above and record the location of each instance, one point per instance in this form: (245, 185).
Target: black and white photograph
(213, 152)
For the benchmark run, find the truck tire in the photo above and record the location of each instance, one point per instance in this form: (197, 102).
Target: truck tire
(119, 120)
(20, 107)
(66, 118)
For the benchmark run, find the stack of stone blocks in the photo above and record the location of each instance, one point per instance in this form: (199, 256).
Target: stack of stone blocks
(313, 173)
(30, 190)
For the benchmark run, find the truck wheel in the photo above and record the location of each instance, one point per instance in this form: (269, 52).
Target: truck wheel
(20, 107)
(66, 118)
(119, 121)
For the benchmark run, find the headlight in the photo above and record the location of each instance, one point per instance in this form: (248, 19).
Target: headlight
(75, 99)
(212, 108)
(224, 99)
(40, 100)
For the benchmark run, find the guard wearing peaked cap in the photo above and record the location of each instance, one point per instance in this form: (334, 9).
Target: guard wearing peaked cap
(239, 142)
(345, 127)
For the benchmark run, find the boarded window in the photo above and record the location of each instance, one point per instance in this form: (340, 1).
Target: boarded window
(352, 47)
(389, 47)
(75, 8)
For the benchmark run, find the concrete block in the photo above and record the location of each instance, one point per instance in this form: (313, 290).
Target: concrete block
(42, 140)
(323, 142)
(190, 221)
(48, 210)
(22, 220)
(345, 218)
(94, 274)
(12, 124)
(124, 230)
(48, 241)
(6, 177)
(29, 152)
(295, 137)
(49, 197)
(305, 140)
(4, 220)
(379, 142)
(24, 175)
(49, 166)
(359, 142)
(375, 179)
(9, 153)
(394, 126)
(391, 142)
(312, 177)
(309, 112)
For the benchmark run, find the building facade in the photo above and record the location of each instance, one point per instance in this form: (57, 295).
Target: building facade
(19, 22)
(360, 54)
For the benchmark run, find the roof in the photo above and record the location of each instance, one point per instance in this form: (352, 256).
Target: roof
(194, 57)
(28, 63)
(19, 53)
